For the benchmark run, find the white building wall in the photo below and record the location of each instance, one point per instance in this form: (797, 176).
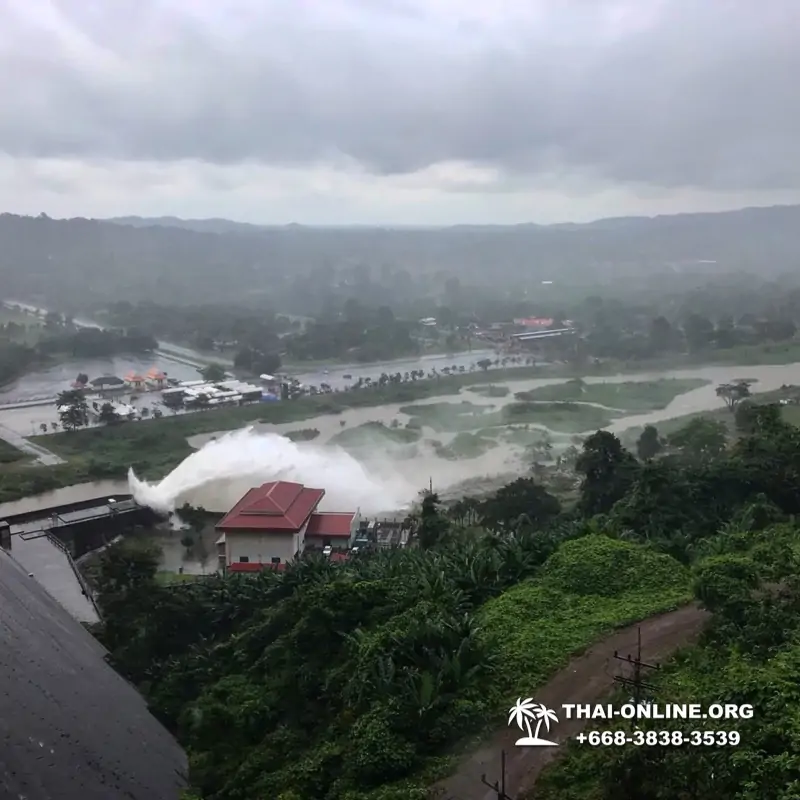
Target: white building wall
(260, 548)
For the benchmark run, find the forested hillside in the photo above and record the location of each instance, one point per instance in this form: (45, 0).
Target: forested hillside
(81, 263)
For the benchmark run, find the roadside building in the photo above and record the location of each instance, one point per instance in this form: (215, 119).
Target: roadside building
(107, 383)
(156, 378)
(276, 522)
(136, 382)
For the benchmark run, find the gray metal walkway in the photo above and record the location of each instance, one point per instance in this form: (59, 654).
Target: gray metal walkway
(53, 568)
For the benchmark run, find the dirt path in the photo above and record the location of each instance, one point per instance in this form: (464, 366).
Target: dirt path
(586, 679)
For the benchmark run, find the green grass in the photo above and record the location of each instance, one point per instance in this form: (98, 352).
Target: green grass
(450, 417)
(537, 626)
(465, 445)
(164, 577)
(560, 417)
(632, 396)
(374, 434)
(465, 416)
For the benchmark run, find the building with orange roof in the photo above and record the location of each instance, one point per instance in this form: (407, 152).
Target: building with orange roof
(135, 381)
(155, 377)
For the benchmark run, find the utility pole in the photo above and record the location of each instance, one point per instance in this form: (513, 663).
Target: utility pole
(499, 786)
(635, 683)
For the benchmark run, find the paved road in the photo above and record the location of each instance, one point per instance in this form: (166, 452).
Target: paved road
(42, 455)
(587, 679)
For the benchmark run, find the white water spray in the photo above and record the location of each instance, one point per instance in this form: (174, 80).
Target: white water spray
(220, 472)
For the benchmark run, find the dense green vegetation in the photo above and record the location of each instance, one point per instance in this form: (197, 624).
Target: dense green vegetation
(10, 454)
(633, 396)
(750, 653)
(355, 680)
(352, 327)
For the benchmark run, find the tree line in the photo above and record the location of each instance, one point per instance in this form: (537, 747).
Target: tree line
(694, 321)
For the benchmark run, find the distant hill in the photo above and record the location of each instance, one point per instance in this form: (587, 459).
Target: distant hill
(199, 225)
(71, 727)
(80, 263)
(745, 215)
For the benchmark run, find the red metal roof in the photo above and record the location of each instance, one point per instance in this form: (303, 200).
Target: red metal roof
(276, 506)
(330, 523)
(238, 566)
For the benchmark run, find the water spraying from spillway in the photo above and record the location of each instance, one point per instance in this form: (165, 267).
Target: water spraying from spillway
(218, 474)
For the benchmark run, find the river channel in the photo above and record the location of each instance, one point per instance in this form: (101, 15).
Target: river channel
(497, 464)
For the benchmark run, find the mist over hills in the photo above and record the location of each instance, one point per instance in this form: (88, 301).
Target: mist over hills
(219, 225)
(86, 263)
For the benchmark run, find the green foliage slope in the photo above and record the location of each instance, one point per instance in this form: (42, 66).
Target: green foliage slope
(340, 680)
(750, 654)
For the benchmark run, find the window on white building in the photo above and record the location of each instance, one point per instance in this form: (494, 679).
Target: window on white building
(244, 559)
(276, 561)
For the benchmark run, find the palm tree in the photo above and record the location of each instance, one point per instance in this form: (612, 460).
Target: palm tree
(545, 715)
(522, 713)
(526, 710)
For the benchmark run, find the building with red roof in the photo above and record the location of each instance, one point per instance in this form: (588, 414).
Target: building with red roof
(277, 521)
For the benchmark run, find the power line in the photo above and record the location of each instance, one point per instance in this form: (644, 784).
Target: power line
(636, 683)
(499, 786)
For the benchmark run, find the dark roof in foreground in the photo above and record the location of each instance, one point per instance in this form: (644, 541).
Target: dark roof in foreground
(70, 727)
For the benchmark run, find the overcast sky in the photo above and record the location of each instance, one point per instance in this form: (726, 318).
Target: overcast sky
(398, 111)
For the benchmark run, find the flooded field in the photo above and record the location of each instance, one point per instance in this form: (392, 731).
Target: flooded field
(370, 457)
(378, 459)
(420, 458)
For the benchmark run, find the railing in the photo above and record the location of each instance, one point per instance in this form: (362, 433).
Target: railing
(85, 588)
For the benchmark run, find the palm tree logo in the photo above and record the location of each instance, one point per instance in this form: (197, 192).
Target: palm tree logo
(526, 710)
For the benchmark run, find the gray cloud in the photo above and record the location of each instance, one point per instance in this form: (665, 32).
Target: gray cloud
(703, 96)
